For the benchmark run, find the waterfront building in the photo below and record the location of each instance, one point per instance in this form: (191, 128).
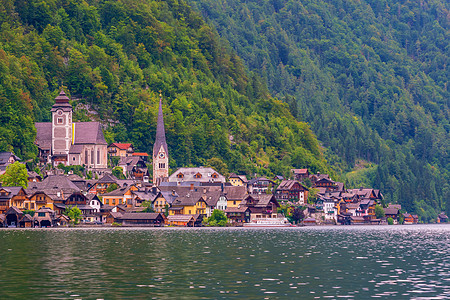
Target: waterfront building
(12, 196)
(260, 185)
(261, 206)
(291, 190)
(7, 158)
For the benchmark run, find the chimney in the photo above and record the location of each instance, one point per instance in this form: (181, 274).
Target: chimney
(204, 190)
(192, 186)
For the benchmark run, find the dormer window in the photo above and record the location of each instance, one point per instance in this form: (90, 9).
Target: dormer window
(180, 175)
(198, 175)
(214, 175)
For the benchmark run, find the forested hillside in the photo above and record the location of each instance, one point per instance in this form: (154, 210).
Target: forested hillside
(113, 58)
(371, 77)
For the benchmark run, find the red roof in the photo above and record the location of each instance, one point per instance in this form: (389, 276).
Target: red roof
(121, 146)
(140, 154)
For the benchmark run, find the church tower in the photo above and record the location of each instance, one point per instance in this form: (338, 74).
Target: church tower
(61, 128)
(160, 151)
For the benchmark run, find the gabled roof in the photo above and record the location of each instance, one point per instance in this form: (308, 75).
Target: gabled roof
(190, 173)
(254, 180)
(118, 192)
(43, 135)
(122, 146)
(189, 199)
(299, 171)
(289, 184)
(235, 192)
(391, 211)
(5, 156)
(89, 133)
(12, 190)
(181, 218)
(243, 178)
(54, 185)
(262, 200)
(12, 210)
(107, 178)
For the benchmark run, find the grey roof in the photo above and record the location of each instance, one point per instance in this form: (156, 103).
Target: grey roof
(76, 149)
(136, 216)
(13, 190)
(255, 180)
(52, 185)
(180, 218)
(4, 157)
(44, 135)
(241, 177)
(160, 139)
(235, 192)
(390, 211)
(146, 195)
(169, 196)
(189, 199)
(89, 133)
(189, 173)
(262, 200)
(289, 184)
(107, 178)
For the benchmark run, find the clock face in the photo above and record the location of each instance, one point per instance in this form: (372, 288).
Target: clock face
(161, 155)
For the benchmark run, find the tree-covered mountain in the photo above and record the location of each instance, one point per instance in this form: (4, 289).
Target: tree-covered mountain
(371, 77)
(114, 57)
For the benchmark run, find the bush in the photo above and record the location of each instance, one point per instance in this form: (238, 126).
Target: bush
(390, 221)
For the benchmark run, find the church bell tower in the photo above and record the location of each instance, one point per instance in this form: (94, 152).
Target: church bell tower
(61, 128)
(160, 151)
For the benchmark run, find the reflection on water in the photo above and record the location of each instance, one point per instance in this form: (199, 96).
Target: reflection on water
(410, 262)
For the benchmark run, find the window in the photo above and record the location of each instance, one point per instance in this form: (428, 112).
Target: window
(59, 120)
(86, 157)
(98, 156)
(92, 157)
(180, 175)
(162, 165)
(41, 214)
(198, 175)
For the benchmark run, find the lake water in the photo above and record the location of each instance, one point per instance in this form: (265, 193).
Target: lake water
(405, 262)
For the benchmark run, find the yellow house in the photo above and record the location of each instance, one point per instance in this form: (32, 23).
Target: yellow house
(37, 200)
(12, 196)
(120, 196)
(238, 180)
(234, 195)
(189, 204)
(160, 203)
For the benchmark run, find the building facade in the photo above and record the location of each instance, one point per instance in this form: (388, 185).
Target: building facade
(160, 150)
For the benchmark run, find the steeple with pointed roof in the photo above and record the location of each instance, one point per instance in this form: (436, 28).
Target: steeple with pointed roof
(160, 150)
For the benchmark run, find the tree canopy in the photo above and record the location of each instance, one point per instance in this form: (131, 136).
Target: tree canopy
(15, 175)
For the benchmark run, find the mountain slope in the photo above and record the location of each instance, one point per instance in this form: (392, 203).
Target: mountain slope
(371, 77)
(113, 57)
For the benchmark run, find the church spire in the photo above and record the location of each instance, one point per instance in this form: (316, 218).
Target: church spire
(160, 151)
(160, 131)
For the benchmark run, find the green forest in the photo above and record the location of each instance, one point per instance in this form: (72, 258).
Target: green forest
(356, 89)
(370, 77)
(113, 58)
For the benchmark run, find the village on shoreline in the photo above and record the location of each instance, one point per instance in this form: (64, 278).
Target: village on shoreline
(84, 181)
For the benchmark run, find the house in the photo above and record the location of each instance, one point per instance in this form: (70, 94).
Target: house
(309, 221)
(329, 209)
(134, 167)
(190, 204)
(103, 184)
(260, 185)
(120, 149)
(7, 158)
(12, 196)
(234, 195)
(34, 177)
(181, 220)
(408, 219)
(44, 217)
(442, 218)
(26, 221)
(120, 196)
(392, 212)
(160, 203)
(261, 206)
(300, 174)
(326, 183)
(291, 190)
(12, 216)
(200, 174)
(238, 215)
(138, 219)
(212, 198)
(70, 143)
(238, 180)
